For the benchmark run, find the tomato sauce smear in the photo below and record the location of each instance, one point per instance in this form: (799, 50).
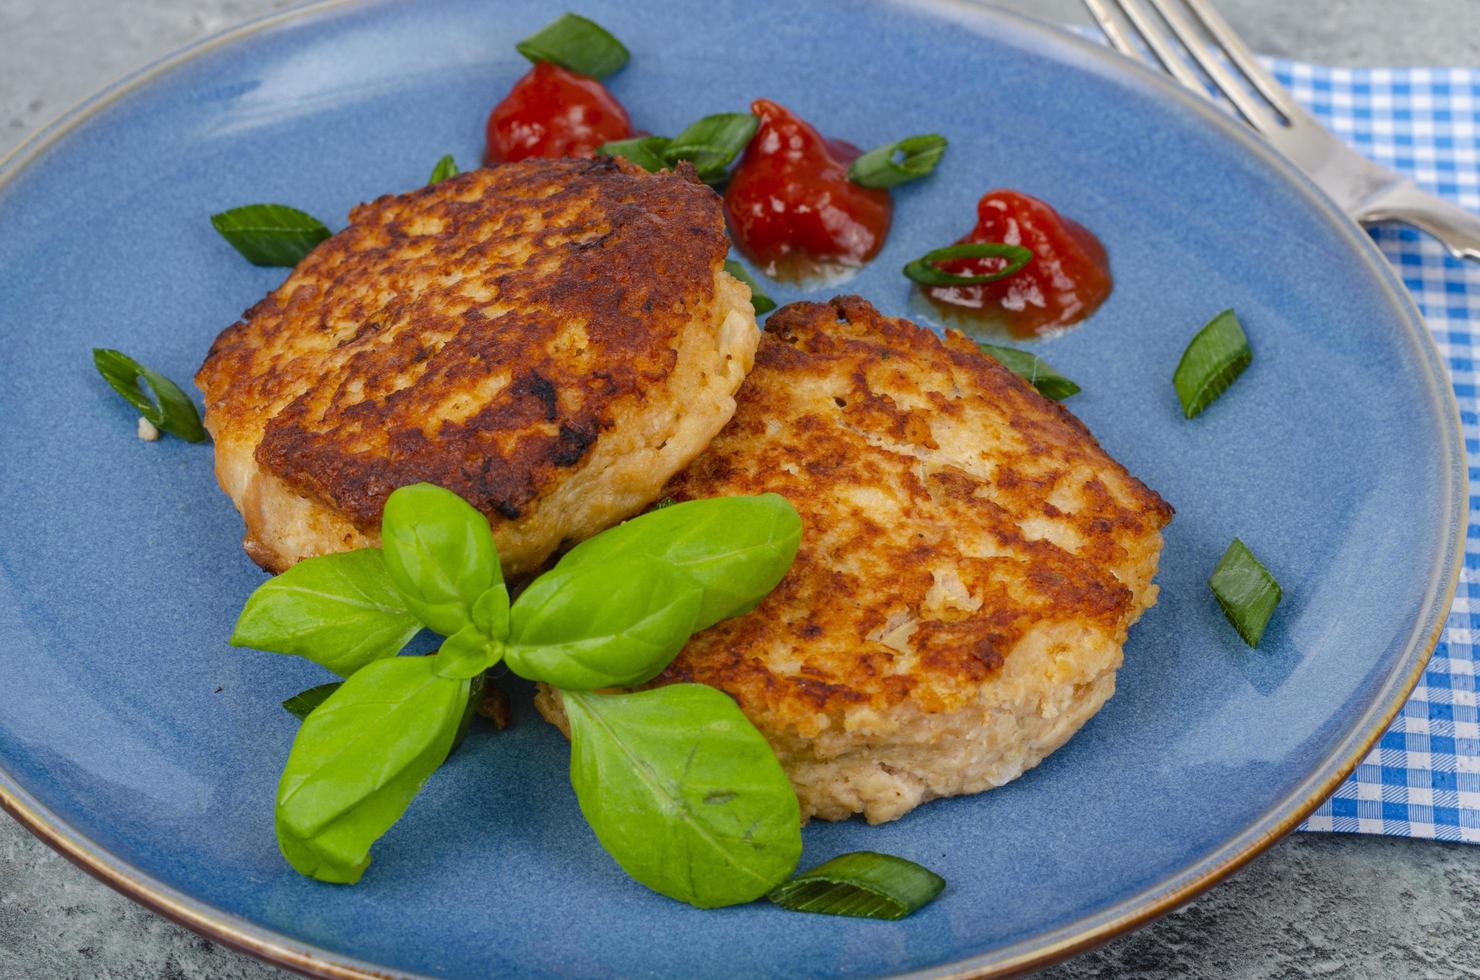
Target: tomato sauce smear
(1067, 280)
(554, 112)
(792, 209)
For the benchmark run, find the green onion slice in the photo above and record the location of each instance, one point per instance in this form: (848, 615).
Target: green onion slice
(712, 143)
(571, 41)
(1246, 591)
(270, 234)
(1034, 370)
(918, 156)
(1217, 355)
(301, 705)
(645, 151)
(865, 884)
(925, 272)
(758, 297)
(446, 167)
(169, 408)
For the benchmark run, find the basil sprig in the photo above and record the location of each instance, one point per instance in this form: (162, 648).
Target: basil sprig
(1034, 370)
(918, 156)
(1212, 361)
(645, 151)
(446, 167)
(571, 41)
(711, 145)
(925, 271)
(759, 301)
(270, 234)
(684, 761)
(169, 408)
(613, 612)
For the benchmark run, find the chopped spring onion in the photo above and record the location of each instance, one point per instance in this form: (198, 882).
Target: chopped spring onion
(878, 167)
(925, 272)
(270, 234)
(1246, 591)
(712, 143)
(645, 151)
(446, 167)
(758, 297)
(169, 408)
(864, 884)
(571, 41)
(1034, 370)
(1215, 357)
(301, 705)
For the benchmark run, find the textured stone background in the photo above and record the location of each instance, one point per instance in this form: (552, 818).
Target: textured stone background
(1314, 905)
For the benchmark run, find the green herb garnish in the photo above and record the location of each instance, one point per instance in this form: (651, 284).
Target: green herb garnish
(1034, 370)
(446, 167)
(925, 271)
(864, 883)
(1246, 591)
(571, 41)
(169, 408)
(758, 298)
(680, 765)
(712, 143)
(918, 156)
(645, 151)
(301, 705)
(1215, 357)
(270, 234)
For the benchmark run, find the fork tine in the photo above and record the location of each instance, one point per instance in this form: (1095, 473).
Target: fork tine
(1240, 55)
(1114, 33)
(1160, 44)
(1254, 109)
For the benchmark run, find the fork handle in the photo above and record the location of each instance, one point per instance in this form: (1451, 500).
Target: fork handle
(1456, 228)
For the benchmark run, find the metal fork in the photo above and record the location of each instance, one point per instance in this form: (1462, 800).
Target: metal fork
(1367, 191)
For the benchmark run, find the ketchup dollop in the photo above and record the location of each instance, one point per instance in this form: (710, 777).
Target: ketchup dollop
(792, 209)
(1067, 280)
(554, 112)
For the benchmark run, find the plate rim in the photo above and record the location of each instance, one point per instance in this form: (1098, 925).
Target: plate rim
(1033, 952)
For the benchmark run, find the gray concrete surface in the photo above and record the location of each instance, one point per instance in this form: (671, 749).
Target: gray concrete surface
(1313, 906)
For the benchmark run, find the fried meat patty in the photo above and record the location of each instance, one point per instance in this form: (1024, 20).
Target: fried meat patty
(970, 562)
(550, 339)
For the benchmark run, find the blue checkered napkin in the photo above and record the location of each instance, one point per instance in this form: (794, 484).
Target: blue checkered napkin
(1423, 779)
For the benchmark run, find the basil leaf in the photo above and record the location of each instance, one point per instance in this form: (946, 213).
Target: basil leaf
(863, 884)
(169, 409)
(604, 624)
(301, 705)
(270, 234)
(446, 167)
(712, 142)
(684, 793)
(1246, 591)
(925, 271)
(645, 151)
(491, 612)
(1212, 361)
(467, 653)
(340, 611)
(360, 759)
(1034, 370)
(571, 41)
(440, 553)
(758, 298)
(878, 168)
(735, 548)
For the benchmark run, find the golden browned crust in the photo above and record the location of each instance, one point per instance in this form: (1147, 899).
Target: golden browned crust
(953, 519)
(482, 334)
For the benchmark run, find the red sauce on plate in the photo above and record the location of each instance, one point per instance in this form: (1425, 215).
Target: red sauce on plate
(1067, 280)
(554, 112)
(792, 209)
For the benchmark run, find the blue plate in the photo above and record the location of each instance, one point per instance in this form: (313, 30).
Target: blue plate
(136, 741)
